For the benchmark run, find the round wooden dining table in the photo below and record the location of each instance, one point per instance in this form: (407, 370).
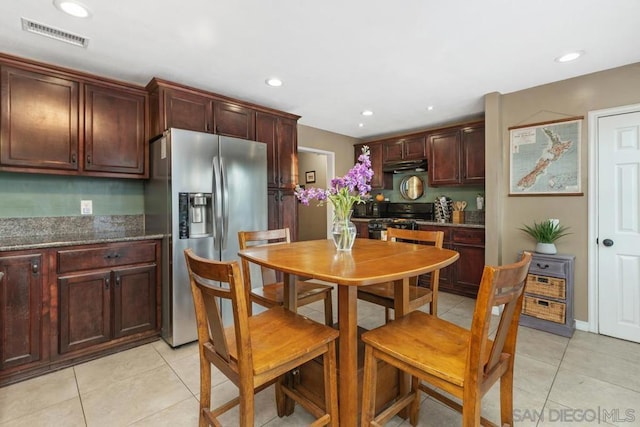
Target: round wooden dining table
(370, 261)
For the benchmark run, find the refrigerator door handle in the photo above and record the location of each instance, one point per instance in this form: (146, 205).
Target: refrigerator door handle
(217, 204)
(225, 205)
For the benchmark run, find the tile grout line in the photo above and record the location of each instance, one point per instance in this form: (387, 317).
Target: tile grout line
(546, 399)
(175, 373)
(84, 415)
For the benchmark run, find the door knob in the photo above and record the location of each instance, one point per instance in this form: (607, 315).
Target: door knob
(607, 242)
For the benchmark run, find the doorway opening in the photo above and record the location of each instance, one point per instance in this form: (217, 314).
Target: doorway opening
(314, 222)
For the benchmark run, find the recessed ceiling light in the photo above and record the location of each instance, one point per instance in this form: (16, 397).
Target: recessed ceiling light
(73, 8)
(360, 125)
(367, 113)
(430, 108)
(571, 56)
(273, 82)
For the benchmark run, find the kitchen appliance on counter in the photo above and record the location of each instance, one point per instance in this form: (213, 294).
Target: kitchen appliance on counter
(203, 189)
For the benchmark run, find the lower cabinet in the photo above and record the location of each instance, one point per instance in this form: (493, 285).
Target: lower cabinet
(23, 317)
(106, 293)
(463, 276)
(362, 229)
(62, 306)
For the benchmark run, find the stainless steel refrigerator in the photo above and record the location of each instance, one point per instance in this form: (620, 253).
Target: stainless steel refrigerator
(202, 190)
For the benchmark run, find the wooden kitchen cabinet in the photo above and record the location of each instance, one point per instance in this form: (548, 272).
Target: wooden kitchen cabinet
(39, 122)
(411, 147)
(61, 306)
(456, 156)
(84, 310)
(182, 107)
(59, 121)
(115, 131)
(463, 276)
(282, 206)
(281, 136)
(362, 229)
(469, 243)
(23, 313)
(183, 110)
(108, 294)
(234, 120)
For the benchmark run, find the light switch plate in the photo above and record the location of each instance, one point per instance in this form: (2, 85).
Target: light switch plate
(86, 207)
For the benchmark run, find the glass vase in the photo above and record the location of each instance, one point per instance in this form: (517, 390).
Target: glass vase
(343, 230)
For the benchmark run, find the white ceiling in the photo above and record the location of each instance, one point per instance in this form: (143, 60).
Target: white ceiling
(339, 57)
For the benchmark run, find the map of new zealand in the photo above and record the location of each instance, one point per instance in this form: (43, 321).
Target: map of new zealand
(545, 158)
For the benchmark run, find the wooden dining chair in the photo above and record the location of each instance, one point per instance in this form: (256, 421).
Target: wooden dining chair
(270, 294)
(255, 351)
(441, 355)
(383, 293)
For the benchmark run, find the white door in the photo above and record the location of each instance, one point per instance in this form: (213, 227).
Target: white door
(619, 225)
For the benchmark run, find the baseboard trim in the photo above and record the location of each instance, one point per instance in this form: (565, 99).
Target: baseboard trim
(581, 325)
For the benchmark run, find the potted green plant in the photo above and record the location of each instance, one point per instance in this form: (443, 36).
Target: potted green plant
(546, 233)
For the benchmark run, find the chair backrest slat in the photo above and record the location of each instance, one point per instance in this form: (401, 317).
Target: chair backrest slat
(500, 286)
(247, 239)
(435, 238)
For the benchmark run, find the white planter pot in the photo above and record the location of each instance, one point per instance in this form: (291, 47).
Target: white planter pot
(546, 248)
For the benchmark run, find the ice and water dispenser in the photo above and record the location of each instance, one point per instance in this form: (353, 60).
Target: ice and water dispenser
(195, 215)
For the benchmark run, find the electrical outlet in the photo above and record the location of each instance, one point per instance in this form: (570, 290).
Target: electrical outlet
(86, 207)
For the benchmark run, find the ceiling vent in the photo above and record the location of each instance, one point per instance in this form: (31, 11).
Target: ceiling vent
(54, 33)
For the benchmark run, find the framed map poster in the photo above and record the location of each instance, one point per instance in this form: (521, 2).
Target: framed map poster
(545, 158)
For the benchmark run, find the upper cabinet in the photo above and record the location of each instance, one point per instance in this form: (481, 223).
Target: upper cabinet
(412, 147)
(177, 106)
(234, 120)
(280, 135)
(114, 133)
(39, 127)
(180, 109)
(56, 121)
(473, 154)
(456, 156)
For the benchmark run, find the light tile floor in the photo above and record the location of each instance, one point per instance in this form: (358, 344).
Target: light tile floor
(586, 380)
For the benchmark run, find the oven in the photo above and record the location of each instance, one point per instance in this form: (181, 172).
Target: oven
(378, 227)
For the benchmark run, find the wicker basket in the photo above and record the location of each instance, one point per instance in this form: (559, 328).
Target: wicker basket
(544, 309)
(545, 286)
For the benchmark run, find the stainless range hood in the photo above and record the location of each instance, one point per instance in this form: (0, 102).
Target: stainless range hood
(405, 166)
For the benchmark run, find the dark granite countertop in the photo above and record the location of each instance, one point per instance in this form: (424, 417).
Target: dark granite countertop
(443, 224)
(50, 232)
(49, 241)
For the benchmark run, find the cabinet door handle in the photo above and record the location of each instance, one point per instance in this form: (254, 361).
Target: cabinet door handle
(74, 158)
(106, 284)
(542, 267)
(88, 159)
(34, 268)
(117, 281)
